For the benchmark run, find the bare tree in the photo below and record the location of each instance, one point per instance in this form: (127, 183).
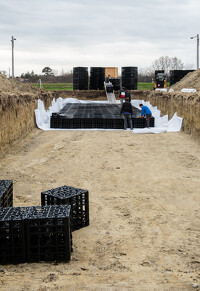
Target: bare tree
(145, 75)
(176, 64)
(189, 67)
(167, 63)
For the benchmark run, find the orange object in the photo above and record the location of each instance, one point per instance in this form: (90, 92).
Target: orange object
(112, 71)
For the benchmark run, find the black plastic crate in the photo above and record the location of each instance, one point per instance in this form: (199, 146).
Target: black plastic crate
(108, 123)
(98, 115)
(77, 198)
(6, 193)
(35, 234)
(97, 78)
(109, 88)
(177, 75)
(141, 122)
(129, 69)
(12, 235)
(80, 78)
(116, 83)
(48, 233)
(130, 78)
(97, 123)
(119, 123)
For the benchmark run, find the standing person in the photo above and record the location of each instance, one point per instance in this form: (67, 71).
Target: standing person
(128, 94)
(107, 80)
(126, 112)
(146, 113)
(121, 95)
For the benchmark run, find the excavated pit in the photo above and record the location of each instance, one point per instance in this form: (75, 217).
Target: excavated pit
(18, 102)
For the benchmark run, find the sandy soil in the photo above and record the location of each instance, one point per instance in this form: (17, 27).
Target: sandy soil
(14, 86)
(144, 209)
(191, 80)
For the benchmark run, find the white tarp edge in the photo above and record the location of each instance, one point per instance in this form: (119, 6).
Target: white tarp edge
(162, 124)
(161, 89)
(188, 90)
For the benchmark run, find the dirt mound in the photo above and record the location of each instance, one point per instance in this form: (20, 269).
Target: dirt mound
(191, 80)
(14, 86)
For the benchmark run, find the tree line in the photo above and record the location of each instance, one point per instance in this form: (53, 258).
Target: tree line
(48, 76)
(165, 63)
(145, 75)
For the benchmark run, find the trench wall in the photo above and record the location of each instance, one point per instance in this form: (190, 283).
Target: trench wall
(186, 105)
(17, 116)
(17, 112)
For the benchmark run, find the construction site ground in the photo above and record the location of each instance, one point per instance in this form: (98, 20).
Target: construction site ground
(144, 209)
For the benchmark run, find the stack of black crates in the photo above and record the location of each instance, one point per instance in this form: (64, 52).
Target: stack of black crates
(97, 78)
(48, 233)
(78, 199)
(177, 75)
(116, 83)
(41, 233)
(130, 78)
(34, 234)
(6, 193)
(142, 123)
(80, 78)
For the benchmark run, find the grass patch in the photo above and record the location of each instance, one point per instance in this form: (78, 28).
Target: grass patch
(145, 86)
(55, 86)
(69, 86)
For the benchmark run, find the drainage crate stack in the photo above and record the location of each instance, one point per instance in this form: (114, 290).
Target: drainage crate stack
(35, 234)
(115, 83)
(48, 233)
(97, 78)
(80, 78)
(142, 123)
(130, 78)
(77, 198)
(12, 235)
(83, 115)
(6, 193)
(177, 75)
(95, 115)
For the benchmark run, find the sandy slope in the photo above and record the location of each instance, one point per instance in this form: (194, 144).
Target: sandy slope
(191, 80)
(144, 209)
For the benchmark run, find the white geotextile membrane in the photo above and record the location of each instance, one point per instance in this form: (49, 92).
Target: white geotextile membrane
(162, 124)
(188, 90)
(161, 89)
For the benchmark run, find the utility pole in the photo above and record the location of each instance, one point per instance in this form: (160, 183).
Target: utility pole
(197, 51)
(12, 40)
(197, 36)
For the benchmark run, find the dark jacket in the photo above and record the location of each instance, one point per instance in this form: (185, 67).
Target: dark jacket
(128, 94)
(107, 80)
(126, 107)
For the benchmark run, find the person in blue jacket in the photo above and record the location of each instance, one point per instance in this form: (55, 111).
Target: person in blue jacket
(146, 113)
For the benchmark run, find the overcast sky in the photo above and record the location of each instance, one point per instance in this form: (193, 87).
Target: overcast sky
(63, 34)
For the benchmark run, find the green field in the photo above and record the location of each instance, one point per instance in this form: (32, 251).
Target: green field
(55, 86)
(145, 86)
(69, 86)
